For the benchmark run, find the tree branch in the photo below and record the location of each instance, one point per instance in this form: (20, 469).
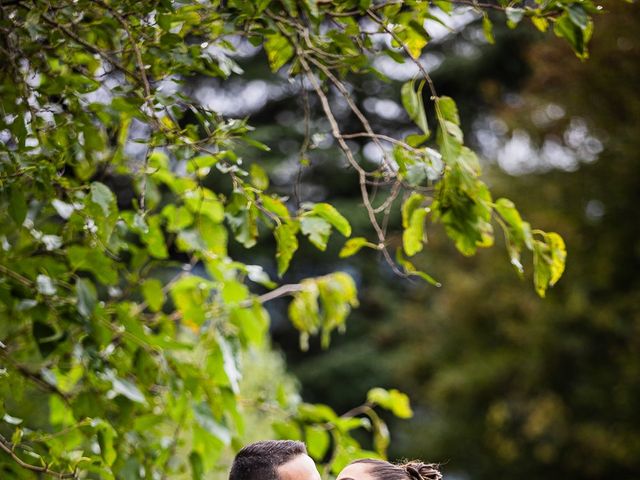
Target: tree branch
(9, 448)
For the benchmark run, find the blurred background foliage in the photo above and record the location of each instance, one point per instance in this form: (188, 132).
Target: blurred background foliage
(506, 385)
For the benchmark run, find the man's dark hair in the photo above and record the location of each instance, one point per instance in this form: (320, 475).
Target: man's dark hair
(260, 460)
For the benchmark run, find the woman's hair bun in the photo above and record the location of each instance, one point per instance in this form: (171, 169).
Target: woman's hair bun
(422, 471)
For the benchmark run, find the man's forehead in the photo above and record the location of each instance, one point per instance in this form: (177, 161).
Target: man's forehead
(301, 467)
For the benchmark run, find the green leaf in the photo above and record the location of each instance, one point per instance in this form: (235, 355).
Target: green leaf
(87, 297)
(381, 438)
(103, 197)
(316, 413)
(549, 257)
(311, 6)
(541, 269)
(487, 28)
(331, 215)
(17, 205)
(154, 238)
(578, 16)
(259, 177)
(214, 235)
(514, 16)
(197, 466)
(242, 215)
(102, 209)
(275, 206)
(178, 218)
(444, 5)
(60, 414)
(393, 400)
(413, 236)
(338, 294)
(291, 7)
(106, 437)
(204, 417)
(287, 244)
(189, 294)
(411, 204)
(94, 261)
(286, 430)
(412, 35)
(353, 246)
(578, 37)
(518, 233)
(253, 323)
(304, 312)
(411, 270)
(153, 294)
(447, 109)
(201, 162)
(16, 438)
(415, 140)
(317, 229)
(558, 256)
(205, 202)
(413, 104)
(541, 23)
(279, 50)
(317, 440)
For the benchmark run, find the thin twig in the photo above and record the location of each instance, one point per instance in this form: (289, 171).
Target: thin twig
(421, 68)
(281, 291)
(16, 276)
(386, 138)
(352, 161)
(9, 448)
(107, 58)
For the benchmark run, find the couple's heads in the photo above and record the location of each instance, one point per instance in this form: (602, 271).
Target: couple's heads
(274, 460)
(288, 460)
(369, 469)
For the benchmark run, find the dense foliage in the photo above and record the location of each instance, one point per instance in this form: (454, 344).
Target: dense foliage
(503, 385)
(123, 315)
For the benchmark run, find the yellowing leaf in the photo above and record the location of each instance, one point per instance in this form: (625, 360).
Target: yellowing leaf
(558, 256)
(278, 49)
(287, 244)
(487, 28)
(409, 206)
(259, 177)
(393, 400)
(353, 246)
(413, 235)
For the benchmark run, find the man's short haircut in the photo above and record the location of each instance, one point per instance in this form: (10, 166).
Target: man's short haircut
(260, 460)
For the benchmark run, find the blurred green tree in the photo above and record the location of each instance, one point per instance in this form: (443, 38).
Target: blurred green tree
(505, 386)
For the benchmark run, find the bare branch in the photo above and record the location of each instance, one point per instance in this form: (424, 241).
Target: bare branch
(281, 291)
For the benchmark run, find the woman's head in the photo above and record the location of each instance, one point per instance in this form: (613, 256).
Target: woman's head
(370, 469)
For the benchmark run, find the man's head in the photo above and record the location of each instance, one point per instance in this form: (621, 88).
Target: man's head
(274, 460)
